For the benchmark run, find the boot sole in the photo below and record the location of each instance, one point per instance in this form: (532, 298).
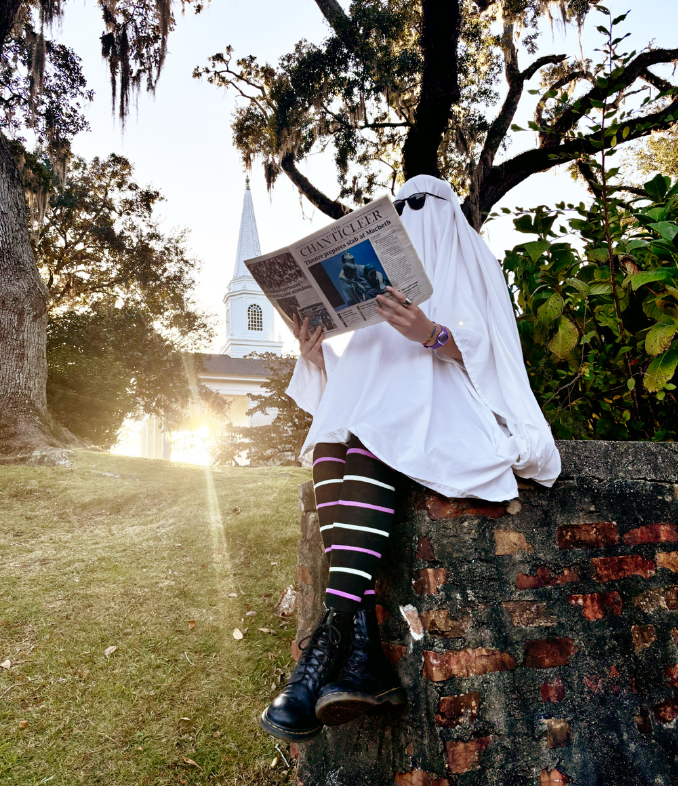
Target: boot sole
(288, 735)
(337, 708)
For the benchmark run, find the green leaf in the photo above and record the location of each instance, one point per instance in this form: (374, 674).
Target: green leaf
(535, 249)
(597, 254)
(630, 383)
(657, 187)
(638, 279)
(600, 288)
(515, 127)
(660, 371)
(548, 312)
(659, 338)
(636, 244)
(667, 229)
(577, 284)
(523, 224)
(588, 337)
(565, 340)
(626, 132)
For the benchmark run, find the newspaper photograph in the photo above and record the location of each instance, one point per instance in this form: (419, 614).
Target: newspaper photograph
(334, 275)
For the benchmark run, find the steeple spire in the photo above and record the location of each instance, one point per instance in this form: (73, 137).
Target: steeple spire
(248, 240)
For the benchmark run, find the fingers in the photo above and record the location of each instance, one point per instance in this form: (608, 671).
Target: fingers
(303, 332)
(311, 345)
(394, 318)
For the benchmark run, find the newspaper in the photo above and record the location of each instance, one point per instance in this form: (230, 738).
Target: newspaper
(334, 275)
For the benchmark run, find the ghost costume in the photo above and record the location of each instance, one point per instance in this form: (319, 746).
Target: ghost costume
(462, 428)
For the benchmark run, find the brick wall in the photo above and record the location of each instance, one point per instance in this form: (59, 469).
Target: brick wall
(538, 640)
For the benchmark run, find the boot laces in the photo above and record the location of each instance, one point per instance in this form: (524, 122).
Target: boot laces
(317, 645)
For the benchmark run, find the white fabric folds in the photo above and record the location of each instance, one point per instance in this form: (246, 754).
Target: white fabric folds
(461, 429)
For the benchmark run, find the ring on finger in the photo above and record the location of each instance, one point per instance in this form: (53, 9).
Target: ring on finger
(407, 302)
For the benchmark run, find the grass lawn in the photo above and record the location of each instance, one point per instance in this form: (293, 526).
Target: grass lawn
(161, 561)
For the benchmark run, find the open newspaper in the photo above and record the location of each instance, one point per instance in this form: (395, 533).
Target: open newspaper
(334, 275)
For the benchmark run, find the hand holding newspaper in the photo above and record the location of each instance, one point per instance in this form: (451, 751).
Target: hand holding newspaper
(334, 275)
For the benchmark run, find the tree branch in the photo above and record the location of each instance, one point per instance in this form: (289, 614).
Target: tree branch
(439, 86)
(330, 208)
(654, 80)
(633, 70)
(8, 11)
(501, 179)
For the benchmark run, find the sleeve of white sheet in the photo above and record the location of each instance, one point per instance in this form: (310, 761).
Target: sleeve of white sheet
(308, 382)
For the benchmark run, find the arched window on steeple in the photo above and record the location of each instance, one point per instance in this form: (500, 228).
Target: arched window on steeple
(255, 320)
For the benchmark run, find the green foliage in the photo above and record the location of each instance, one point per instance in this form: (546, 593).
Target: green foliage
(106, 364)
(279, 442)
(121, 306)
(601, 355)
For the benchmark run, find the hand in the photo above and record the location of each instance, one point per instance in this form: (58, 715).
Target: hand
(410, 321)
(310, 345)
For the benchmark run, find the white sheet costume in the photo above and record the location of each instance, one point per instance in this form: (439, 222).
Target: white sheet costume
(461, 429)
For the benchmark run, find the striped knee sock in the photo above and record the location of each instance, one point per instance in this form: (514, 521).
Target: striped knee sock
(362, 523)
(329, 459)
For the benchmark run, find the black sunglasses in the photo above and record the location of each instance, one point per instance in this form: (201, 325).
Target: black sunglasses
(415, 201)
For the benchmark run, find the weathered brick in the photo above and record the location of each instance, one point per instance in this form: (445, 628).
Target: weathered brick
(545, 577)
(413, 620)
(668, 559)
(672, 675)
(644, 721)
(614, 568)
(439, 623)
(419, 778)
(382, 613)
(665, 598)
(439, 666)
(553, 691)
(508, 541)
(394, 652)
(296, 652)
(430, 580)
(667, 711)
(529, 614)
(304, 575)
(546, 653)
(674, 633)
(425, 549)
(588, 536)
(643, 636)
(552, 778)
(294, 750)
(465, 756)
(595, 605)
(453, 710)
(651, 533)
(441, 508)
(558, 733)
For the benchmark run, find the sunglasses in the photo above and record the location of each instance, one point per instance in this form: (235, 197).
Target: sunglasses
(415, 201)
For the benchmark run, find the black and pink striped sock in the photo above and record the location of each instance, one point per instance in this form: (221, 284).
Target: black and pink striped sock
(329, 459)
(362, 518)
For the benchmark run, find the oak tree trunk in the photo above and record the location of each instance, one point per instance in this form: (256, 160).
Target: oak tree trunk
(24, 422)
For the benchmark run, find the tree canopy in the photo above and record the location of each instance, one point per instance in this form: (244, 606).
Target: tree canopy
(410, 87)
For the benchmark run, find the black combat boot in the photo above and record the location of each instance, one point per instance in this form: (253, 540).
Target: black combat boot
(367, 681)
(291, 715)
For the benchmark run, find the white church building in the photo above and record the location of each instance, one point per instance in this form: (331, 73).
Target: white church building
(250, 328)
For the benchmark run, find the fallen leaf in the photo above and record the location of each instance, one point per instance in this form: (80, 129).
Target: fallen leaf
(236, 509)
(237, 634)
(191, 624)
(109, 651)
(23, 724)
(250, 613)
(271, 656)
(184, 719)
(128, 632)
(274, 563)
(232, 594)
(84, 673)
(267, 630)
(216, 735)
(192, 763)
(274, 763)
(6, 665)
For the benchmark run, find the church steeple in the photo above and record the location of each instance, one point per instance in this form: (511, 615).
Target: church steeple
(248, 240)
(250, 325)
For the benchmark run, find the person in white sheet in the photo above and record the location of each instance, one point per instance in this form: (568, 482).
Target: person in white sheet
(438, 393)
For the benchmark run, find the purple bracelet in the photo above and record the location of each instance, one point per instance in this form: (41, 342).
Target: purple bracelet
(444, 334)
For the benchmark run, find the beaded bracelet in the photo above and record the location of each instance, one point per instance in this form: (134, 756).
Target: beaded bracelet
(433, 332)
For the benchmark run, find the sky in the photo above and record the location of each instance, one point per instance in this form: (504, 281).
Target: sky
(180, 139)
